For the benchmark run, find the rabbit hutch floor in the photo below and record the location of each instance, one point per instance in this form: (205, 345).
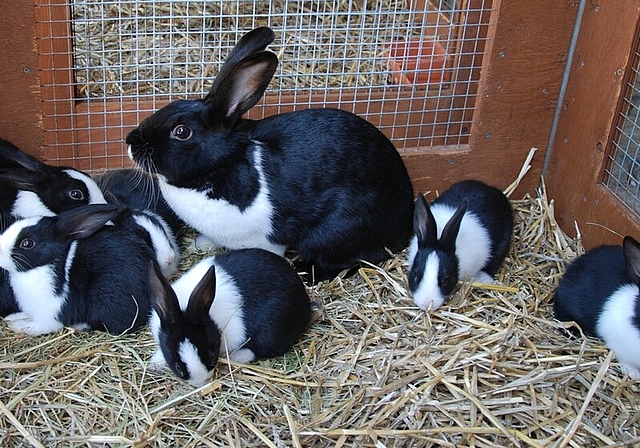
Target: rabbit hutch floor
(489, 368)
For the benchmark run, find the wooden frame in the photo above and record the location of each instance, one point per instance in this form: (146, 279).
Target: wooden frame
(514, 108)
(609, 33)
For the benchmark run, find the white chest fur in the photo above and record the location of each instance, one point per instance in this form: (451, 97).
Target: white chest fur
(223, 223)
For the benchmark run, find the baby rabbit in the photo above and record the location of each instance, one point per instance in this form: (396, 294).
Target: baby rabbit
(323, 182)
(600, 291)
(246, 304)
(465, 232)
(30, 188)
(72, 270)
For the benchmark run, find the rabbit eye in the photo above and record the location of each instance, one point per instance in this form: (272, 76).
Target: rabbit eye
(76, 195)
(27, 243)
(181, 132)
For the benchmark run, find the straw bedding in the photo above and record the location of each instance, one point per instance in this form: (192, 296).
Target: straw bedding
(489, 368)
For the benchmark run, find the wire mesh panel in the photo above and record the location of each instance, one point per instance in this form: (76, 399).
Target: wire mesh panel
(411, 67)
(623, 174)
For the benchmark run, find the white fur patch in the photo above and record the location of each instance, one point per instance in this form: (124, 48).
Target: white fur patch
(413, 250)
(34, 293)
(8, 240)
(198, 373)
(223, 223)
(616, 328)
(472, 245)
(164, 243)
(95, 194)
(427, 296)
(28, 204)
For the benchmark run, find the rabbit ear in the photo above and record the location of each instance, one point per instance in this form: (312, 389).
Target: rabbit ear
(82, 222)
(11, 155)
(254, 41)
(202, 296)
(631, 250)
(164, 299)
(451, 229)
(240, 88)
(424, 224)
(21, 179)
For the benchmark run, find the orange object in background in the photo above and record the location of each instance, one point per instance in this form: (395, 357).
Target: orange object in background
(417, 62)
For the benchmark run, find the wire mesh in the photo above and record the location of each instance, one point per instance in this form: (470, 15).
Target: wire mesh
(411, 67)
(623, 173)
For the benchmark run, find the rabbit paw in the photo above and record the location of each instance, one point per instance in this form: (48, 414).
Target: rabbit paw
(157, 361)
(483, 277)
(22, 322)
(243, 355)
(632, 371)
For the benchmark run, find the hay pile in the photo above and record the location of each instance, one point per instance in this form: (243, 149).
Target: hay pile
(489, 368)
(138, 48)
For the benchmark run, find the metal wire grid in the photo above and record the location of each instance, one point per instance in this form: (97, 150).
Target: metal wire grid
(136, 55)
(623, 174)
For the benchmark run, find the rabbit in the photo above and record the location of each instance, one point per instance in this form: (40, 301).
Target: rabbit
(138, 190)
(73, 270)
(600, 291)
(466, 232)
(30, 188)
(247, 304)
(322, 182)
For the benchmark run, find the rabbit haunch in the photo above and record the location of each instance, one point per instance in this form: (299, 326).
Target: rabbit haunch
(323, 182)
(600, 291)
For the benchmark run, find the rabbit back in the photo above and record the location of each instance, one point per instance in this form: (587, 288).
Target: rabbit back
(493, 221)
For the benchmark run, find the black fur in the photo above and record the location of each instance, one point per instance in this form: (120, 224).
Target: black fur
(275, 303)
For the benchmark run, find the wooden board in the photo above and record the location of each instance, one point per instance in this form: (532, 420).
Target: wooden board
(20, 107)
(607, 36)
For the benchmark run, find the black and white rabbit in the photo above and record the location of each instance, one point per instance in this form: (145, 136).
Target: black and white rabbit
(323, 182)
(73, 270)
(466, 232)
(30, 188)
(246, 303)
(153, 229)
(138, 190)
(600, 291)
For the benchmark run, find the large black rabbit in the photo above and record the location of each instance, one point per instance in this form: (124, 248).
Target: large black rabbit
(323, 182)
